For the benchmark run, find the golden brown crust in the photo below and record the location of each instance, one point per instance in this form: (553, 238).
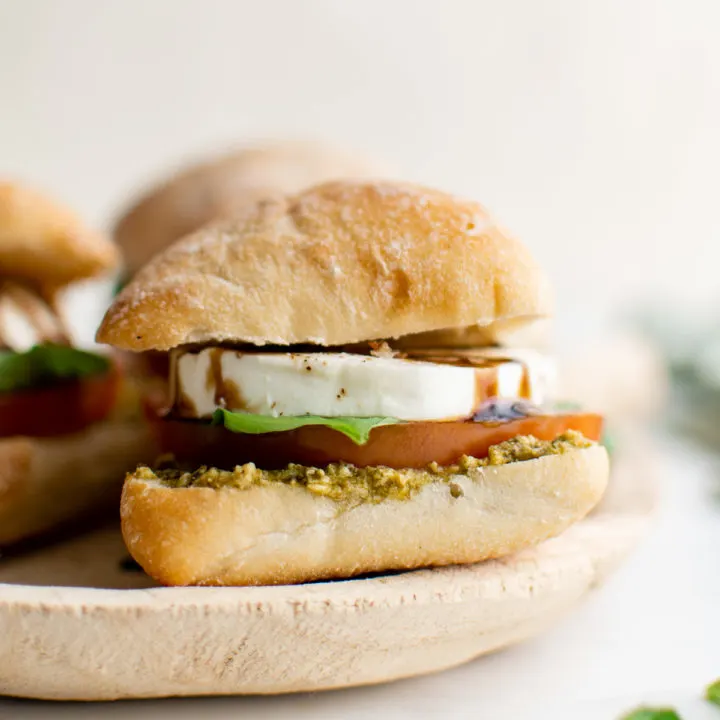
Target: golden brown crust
(219, 187)
(280, 534)
(339, 263)
(45, 243)
(45, 482)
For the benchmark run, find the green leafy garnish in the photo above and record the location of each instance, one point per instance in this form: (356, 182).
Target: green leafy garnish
(356, 428)
(646, 713)
(45, 364)
(712, 692)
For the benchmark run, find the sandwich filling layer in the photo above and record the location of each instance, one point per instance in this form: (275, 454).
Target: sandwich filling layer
(367, 405)
(344, 482)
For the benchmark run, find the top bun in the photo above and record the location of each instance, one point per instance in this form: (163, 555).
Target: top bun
(217, 188)
(45, 243)
(339, 263)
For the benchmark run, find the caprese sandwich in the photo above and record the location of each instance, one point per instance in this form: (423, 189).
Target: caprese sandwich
(332, 412)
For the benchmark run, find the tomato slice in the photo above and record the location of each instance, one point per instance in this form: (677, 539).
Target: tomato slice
(407, 445)
(67, 407)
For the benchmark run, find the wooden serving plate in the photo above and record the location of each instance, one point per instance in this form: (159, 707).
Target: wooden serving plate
(77, 624)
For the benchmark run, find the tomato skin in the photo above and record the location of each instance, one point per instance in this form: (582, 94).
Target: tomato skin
(406, 445)
(67, 407)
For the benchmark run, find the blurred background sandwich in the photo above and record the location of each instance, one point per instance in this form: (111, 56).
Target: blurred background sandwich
(68, 423)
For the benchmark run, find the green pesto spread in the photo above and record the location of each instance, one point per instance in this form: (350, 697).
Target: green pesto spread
(347, 483)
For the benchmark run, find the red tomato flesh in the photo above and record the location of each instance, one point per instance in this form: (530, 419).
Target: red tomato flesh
(68, 407)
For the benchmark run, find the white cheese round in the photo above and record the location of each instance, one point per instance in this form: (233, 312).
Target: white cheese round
(342, 384)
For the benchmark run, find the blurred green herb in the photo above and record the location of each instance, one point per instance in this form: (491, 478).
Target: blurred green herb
(646, 713)
(45, 365)
(712, 692)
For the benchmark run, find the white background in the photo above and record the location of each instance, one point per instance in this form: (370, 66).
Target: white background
(591, 129)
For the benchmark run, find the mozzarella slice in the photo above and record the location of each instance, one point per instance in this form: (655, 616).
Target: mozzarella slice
(335, 384)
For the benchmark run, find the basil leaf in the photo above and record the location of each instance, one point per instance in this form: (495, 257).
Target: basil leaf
(712, 692)
(45, 364)
(645, 713)
(356, 428)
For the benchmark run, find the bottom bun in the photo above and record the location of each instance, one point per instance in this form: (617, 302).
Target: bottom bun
(45, 482)
(277, 533)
